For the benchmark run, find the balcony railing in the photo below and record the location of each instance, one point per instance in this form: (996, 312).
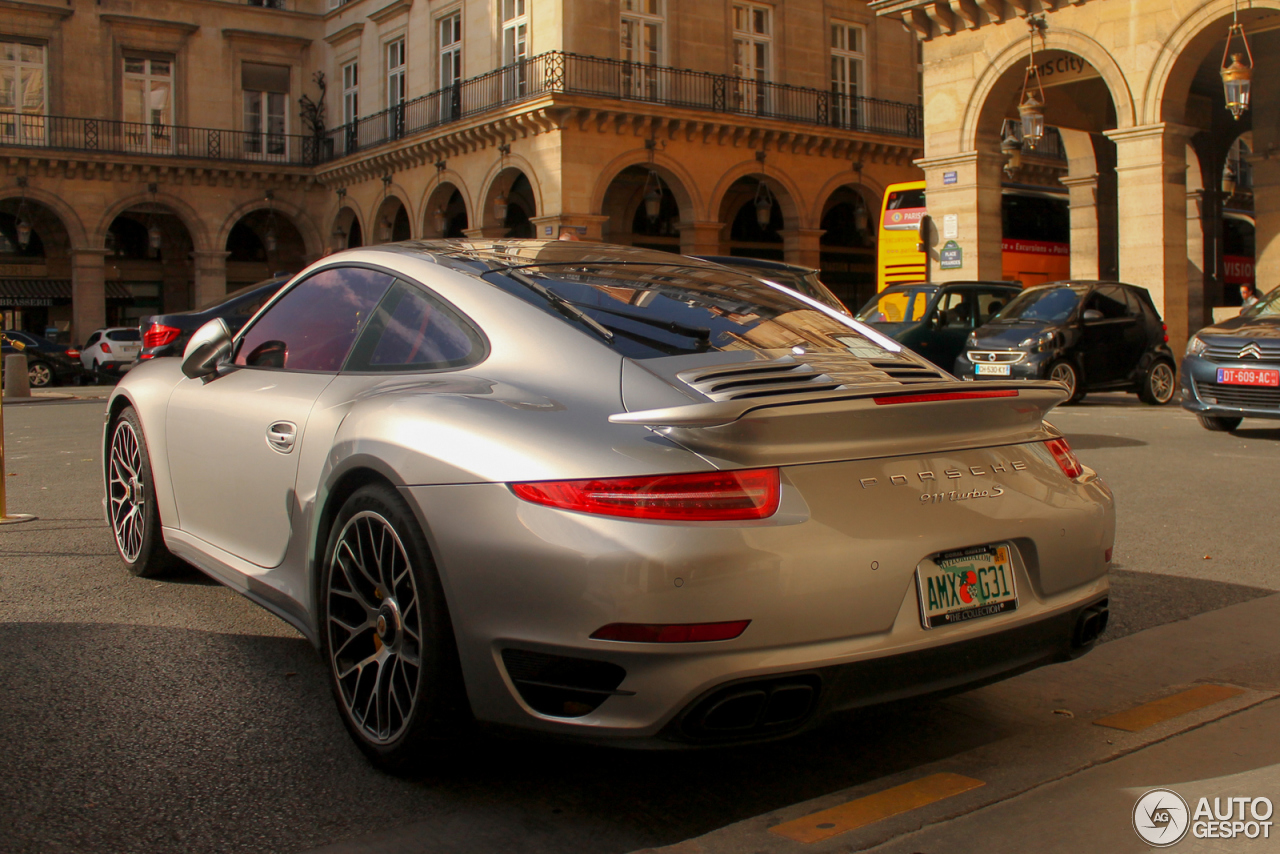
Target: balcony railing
(567, 73)
(75, 134)
(548, 73)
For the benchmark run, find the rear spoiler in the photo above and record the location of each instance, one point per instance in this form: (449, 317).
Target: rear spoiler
(859, 423)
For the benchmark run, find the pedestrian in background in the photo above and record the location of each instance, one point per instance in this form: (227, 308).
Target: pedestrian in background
(1248, 295)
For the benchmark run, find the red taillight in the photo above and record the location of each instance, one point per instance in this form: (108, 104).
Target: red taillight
(670, 632)
(1066, 458)
(142, 356)
(159, 335)
(106, 348)
(73, 353)
(718, 496)
(944, 395)
(1164, 327)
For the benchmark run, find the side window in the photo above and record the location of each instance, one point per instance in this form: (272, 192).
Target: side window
(1109, 301)
(989, 304)
(1134, 303)
(313, 326)
(955, 310)
(93, 339)
(413, 331)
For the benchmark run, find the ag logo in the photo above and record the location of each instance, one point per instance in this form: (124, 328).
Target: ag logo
(1161, 818)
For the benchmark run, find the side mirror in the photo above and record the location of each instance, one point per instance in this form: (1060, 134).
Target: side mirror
(209, 345)
(1091, 314)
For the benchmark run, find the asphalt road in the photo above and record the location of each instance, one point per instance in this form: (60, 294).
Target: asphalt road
(173, 715)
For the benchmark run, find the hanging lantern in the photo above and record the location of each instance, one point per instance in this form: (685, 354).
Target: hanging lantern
(652, 196)
(1031, 106)
(1237, 78)
(439, 221)
(154, 237)
(1011, 148)
(500, 208)
(764, 206)
(24, 230)
(269, 239)
(384, 230)
(338, 239)
(860, 219)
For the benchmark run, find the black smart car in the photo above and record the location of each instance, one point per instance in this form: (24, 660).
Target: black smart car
(1089, 336)
(1232, 369)
(167, 334)
(935, 319)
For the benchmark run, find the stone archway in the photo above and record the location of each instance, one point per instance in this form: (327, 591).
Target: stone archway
(759, 211)
(36, 250)
(644, 209)
(848, 244)
(391, 221)
(347, 231)
(510, 203)
(260, 244)
(444, 212)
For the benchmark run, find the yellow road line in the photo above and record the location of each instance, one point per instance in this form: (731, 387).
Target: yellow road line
(1158, 711)
(872, 808)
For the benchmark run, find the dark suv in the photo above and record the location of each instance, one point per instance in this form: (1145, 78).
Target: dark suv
(935, 319)
(1089, 336)
(1232, 369)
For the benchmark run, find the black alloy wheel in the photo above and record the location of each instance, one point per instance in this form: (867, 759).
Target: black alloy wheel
(39, 374)
(385, 631)
(1219, 423)
(131, 505)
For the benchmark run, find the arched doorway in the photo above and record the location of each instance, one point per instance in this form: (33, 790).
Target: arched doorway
(261, 244)
(445, 213)
(752, 207)
(346, 232)
(848, 245)
(643, 209)
(35, 251)
(391, 222)
(149, 260)
(511, 205)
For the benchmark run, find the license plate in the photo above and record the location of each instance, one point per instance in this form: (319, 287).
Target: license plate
(991, 370)
(966, 584)
(1248, 376)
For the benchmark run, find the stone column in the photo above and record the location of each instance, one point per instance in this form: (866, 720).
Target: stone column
(210, 276)
(1199, 310)
(1083, 194)
(803, 246)
(701, 238)
(1151, 171)
(1266, 171)
(968, 186)
(586, 226)
(88, 292)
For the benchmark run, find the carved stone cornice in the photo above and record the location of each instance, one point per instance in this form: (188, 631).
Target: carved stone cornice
(585, 115)
(930, 19)
(114, 166)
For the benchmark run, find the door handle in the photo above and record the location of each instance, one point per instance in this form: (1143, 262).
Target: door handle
(281, 435)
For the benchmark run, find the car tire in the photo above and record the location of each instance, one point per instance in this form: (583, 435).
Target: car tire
(1159, 384)
(1219, 423)
(131, 504)
(39, 374)
(385, 632)
(1066, 373)
(95, 376)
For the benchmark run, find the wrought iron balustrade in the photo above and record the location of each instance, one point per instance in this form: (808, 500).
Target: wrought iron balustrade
(79, 134)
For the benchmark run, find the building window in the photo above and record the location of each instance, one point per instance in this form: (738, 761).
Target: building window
(847, 64)
(23, 92)
(449, 29)
(752, 55)
(641, 33)
(266, 119)
(515, 47)
(148, 104)
(395, 88)
(350, 92)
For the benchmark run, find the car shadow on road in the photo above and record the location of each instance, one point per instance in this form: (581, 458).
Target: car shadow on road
(1270, 434)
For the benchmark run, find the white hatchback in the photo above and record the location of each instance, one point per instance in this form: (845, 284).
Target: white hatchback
(111, 351)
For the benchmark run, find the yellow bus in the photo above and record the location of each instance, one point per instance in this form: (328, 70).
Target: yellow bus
(1036, 236)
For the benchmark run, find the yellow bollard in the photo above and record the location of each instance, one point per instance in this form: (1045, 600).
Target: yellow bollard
(5, 518)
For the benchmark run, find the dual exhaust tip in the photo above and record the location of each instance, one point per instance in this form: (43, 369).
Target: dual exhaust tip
(1091, 623)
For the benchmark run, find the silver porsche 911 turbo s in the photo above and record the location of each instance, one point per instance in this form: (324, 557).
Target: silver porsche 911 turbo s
(606, 493)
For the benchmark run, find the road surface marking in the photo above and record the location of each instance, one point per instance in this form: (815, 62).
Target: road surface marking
(1159, 711)
(873, 808)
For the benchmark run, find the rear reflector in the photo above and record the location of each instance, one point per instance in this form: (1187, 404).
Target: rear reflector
(944, 395)
(670, 632)
(717, 496)
(159, 335)
(1066, 458)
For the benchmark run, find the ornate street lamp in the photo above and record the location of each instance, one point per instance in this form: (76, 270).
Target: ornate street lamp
(1237, 76)
(338, 239)
(1011, 148)
(1031, 106)
(500, 207)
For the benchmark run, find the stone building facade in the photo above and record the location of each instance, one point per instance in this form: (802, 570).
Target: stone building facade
(1155, 160)
(158, 154)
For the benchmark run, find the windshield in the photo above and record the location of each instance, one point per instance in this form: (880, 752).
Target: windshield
(1268, 306)
(898, 305)
(1053, 305)
(645, 311)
